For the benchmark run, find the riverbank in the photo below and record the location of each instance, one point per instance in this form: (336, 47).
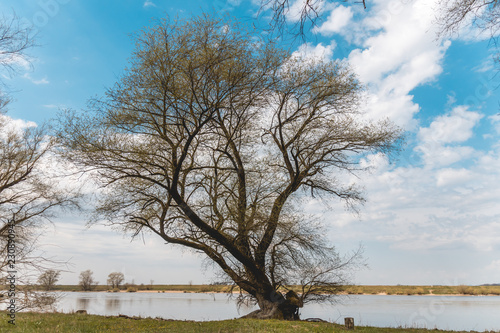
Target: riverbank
(350, 290)
(79, 323)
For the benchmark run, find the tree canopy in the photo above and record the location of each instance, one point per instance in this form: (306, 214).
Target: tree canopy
(87, 282)
(48, 279)
(211, 140)
(115, 279)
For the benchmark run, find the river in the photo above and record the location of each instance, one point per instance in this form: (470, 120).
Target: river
(477, 313)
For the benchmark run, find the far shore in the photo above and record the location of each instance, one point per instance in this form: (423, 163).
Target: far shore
(382, 290)
(341, 294)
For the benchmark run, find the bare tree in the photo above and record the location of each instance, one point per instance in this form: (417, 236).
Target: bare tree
(87, 281)
(484, 15)
(15, 40)
(48, 279)
(211, 141)
(29, 194)
(454, 14)
(115, 279)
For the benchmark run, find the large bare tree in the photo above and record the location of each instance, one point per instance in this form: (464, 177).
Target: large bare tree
(213, 138)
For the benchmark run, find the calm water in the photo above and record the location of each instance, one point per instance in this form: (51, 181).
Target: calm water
(477, 313)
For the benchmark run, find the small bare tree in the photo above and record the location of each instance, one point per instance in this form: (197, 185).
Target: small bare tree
(48, 279)
(87, 282)
(213, 139)
(115, 279)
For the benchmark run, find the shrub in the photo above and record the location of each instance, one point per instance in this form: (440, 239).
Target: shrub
(419, 291)
(465, 290)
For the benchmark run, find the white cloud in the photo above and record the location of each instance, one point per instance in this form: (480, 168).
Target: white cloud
(418, 209)
(398, 53)
(453, 127)
(95, 248)
(338, 19)
(494, 266)
(35, 81)
(486, 66)
(317, 52)
(52, 106)
(431, 207)
(438, 142)
(405, 35)
(148, 3)
(15, 60)
(9, 125)
(495, 121)
(448, 176)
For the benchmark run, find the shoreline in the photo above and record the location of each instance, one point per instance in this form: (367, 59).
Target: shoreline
(382, 290)
(236, 292)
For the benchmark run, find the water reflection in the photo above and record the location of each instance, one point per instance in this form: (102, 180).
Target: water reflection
(112, 304)
(82, 303)
(443, 312)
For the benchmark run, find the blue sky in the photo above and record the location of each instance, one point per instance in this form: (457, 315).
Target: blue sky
(432, 215)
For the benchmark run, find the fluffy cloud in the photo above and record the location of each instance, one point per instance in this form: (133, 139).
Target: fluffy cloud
(495, 120)
(398, 53)
(455, 127)
(317, 52)
(406, 34)
(419, 208)
(9, 124)
(336, 22)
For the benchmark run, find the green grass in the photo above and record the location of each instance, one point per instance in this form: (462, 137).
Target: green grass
(75, 323)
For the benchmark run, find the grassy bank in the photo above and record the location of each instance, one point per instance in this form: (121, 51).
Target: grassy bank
(200, 288)
(370, 290)
(77, 323)
(424, 290)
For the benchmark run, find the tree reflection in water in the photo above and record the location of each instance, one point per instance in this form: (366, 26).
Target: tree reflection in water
(112, 304)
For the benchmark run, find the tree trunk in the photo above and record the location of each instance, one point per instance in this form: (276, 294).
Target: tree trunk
(276, 307)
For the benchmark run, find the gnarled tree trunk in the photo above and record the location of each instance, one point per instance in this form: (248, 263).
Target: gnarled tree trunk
(277, 306)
